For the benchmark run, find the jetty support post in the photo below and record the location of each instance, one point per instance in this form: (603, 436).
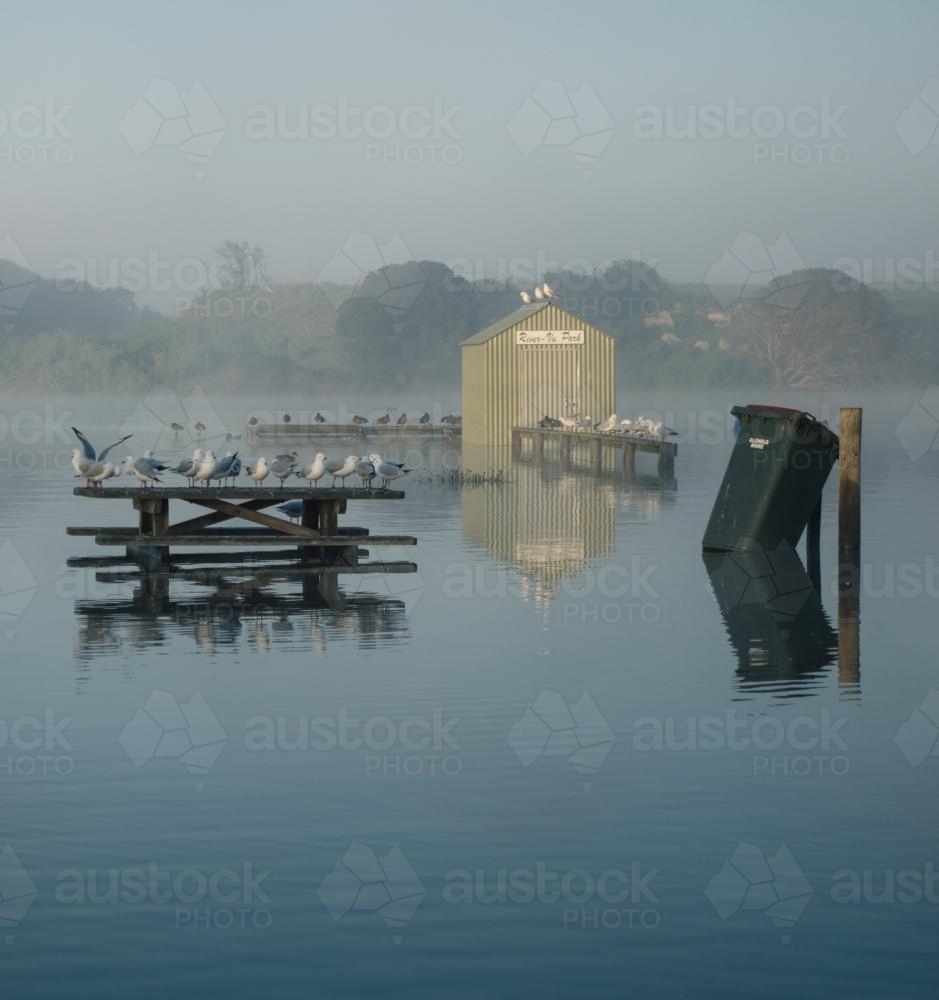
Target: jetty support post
(596, 455)
(667, 460)
(537, 449)
(567, 441)
(516, 443)
(849, 548)
(629, 462)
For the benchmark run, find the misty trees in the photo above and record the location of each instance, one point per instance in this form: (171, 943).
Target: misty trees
(243, 266)
(836, 334)
(405, 322)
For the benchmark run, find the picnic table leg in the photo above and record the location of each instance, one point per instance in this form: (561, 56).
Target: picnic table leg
(311, 518)
(154, 520)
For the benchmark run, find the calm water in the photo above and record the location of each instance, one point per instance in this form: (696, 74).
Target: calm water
(546, 658)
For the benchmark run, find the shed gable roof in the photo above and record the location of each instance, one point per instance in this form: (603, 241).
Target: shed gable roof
(514, 318)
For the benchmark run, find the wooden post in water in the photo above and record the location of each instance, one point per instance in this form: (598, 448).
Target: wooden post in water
(566, 441)
(849, 549)
(849, 480)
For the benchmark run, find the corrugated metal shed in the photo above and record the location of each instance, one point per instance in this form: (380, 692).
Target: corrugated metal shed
(513, 381)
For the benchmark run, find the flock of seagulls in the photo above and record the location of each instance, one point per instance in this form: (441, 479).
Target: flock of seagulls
(542, 292)
(641, 426)
(359, 420)
(205, 468)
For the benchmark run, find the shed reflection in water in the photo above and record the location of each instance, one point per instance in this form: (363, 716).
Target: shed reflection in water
(547, 525)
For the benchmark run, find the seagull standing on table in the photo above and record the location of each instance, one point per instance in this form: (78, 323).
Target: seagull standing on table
(342, 468)
(259, 471)
(365, 471)
(224, 465)
(284, 466)
(187, 467)
(84, 460)
(205, 470)
(143, 469)
(387, 471)
(315, 471)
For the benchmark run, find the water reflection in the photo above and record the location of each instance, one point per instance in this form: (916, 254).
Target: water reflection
(546, 524)
(256, 611)
(775, 620)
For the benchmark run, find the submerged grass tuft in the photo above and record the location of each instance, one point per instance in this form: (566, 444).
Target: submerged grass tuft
(456, 476)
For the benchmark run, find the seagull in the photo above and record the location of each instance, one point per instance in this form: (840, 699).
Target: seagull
(342, 468)
(526, 298)
(223, 466)
(359, 420)
(611, 422)
(284, 466)
(387, 471)
(143, 469)
(403, 419)
(315, 471)
(425, 419)
(234, 470)
(293, 509)
(83, 460)
(386, 419)
(319, 418)
(187, 467)
(539, 294)
(103, 471)
(259, 471)
(205, 470)
(176, 428)
(365, 471)
(286, 418)
(199, 427)
(549, 292)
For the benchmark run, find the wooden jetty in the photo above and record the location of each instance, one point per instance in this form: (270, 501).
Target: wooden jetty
(530, 442)
(312, 432)
(318, 543)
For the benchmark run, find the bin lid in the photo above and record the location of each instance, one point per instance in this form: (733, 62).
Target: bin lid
(786, 413)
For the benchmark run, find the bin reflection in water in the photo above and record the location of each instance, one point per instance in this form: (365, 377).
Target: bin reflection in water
(775, 620)
(547, 525)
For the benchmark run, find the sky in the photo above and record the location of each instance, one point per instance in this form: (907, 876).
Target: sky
(505, 136)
